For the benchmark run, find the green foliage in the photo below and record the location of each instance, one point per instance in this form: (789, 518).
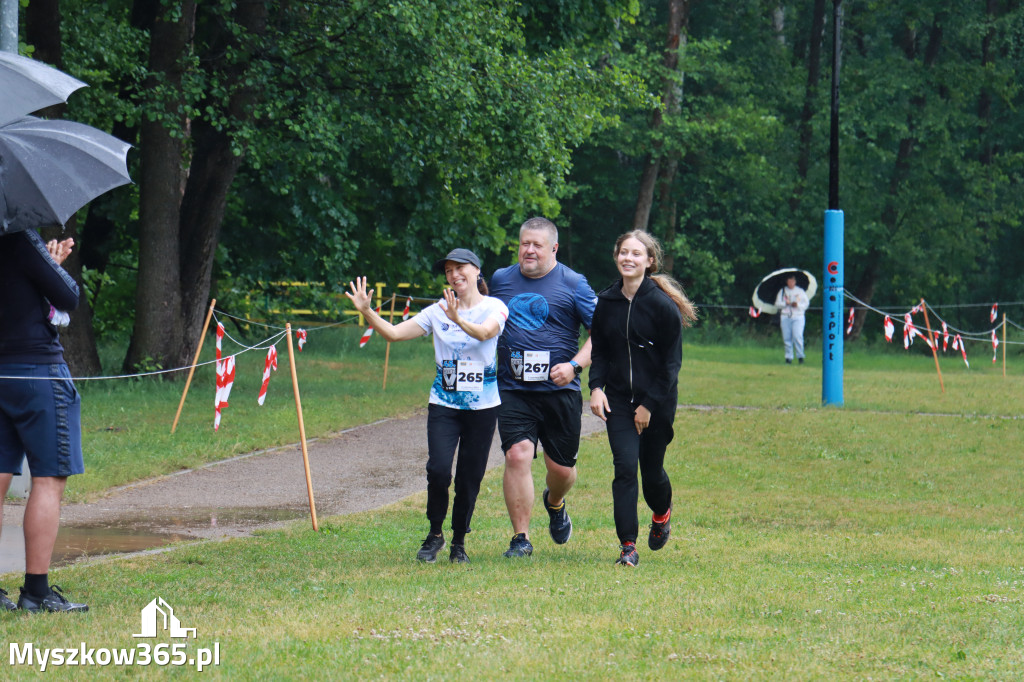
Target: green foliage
(387, 156)
(385, 132)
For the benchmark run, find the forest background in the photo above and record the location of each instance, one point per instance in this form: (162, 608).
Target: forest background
(316, 141)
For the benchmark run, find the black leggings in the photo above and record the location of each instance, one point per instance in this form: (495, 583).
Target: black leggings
(473, 432)
(630, 449)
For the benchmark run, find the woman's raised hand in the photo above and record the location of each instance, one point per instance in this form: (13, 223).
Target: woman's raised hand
(359, 296)
(451, 302)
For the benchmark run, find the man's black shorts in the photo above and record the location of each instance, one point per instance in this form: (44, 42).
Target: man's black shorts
(551, 417)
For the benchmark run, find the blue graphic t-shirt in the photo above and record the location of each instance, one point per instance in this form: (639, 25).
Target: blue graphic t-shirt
(466, 368)
(543, 329)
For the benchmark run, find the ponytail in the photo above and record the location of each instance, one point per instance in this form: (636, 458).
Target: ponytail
(672, 289)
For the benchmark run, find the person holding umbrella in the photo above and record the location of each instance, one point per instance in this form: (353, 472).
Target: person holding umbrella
(463, 406)
(792, 302)
(40, 410)
(636, 353)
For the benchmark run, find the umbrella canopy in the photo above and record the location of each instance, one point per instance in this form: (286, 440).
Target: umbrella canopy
(28, 85)
(50, 169)
(768, 289)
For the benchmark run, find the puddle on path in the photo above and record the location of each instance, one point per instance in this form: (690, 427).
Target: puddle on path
(147, 531)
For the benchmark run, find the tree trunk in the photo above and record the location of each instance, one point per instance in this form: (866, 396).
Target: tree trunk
(678, 14)
(679, 22)
(43, 32)
(214, 167)
(803, 160)
(157, 336)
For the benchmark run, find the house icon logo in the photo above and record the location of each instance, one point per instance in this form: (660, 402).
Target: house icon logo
(158, 615)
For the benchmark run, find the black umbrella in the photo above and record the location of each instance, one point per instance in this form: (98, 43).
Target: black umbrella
(768, 289)
(50, 169)
(27, 85)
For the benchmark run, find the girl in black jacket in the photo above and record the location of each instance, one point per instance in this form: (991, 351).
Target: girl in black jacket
(637, 352)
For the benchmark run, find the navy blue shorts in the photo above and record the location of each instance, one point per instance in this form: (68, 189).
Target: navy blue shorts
(41, 418)
(551, 417)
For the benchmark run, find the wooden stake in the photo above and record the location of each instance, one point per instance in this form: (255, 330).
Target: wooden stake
(302, 426)
(1004, 345)
(387, 351)
(931, 342)
(195, 361)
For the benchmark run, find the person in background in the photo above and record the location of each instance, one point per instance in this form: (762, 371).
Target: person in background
(792, 302)
(636, 353)
(40, 409)
(539, 364)
(463, 405)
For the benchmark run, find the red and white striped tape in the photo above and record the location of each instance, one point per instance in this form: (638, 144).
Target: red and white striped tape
(300, 336)
(958, 343)
(268, 366)
(408, 304)
(225, 380)
(368, 333)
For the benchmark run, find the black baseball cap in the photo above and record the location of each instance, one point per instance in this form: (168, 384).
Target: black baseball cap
(457, 256)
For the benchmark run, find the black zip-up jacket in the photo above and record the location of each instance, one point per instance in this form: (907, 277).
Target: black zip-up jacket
(637, 346)
(30, 281)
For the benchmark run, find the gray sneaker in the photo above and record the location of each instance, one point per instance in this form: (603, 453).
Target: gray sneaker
(628, 555)
(458, 554)
(519, 546)
(559, 524)
(431, 546)
(55, 602)
(659, 532)
(5, 602)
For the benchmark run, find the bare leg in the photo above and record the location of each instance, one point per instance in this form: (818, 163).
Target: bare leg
(5, 484)
(517, 485)
(42, 518)
(560, 480)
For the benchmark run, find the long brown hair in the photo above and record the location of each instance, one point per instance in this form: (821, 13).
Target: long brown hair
(666, 283)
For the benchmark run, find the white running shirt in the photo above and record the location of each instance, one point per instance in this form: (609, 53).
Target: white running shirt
(467, 369)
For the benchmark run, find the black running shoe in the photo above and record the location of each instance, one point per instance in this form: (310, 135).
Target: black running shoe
(660, 532)
(431, 546)
(519, 546)
(5, 602)
(628, 556)
(560, 524)
(458, 554)
(55, 602)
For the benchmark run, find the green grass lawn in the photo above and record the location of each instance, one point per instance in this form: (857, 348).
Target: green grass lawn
(879, 540)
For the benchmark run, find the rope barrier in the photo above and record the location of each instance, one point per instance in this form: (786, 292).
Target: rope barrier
(985, 336)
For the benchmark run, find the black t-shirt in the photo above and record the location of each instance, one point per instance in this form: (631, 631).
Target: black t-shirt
(30, 282)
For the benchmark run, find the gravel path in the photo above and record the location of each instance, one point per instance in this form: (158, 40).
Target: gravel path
(362, 468)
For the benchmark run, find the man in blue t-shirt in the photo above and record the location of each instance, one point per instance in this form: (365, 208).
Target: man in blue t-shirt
(539, 364)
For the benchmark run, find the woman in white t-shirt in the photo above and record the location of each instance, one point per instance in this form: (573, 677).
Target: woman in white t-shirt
(463, 407)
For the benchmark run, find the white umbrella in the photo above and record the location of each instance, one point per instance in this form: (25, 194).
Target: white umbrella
(768, 289)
